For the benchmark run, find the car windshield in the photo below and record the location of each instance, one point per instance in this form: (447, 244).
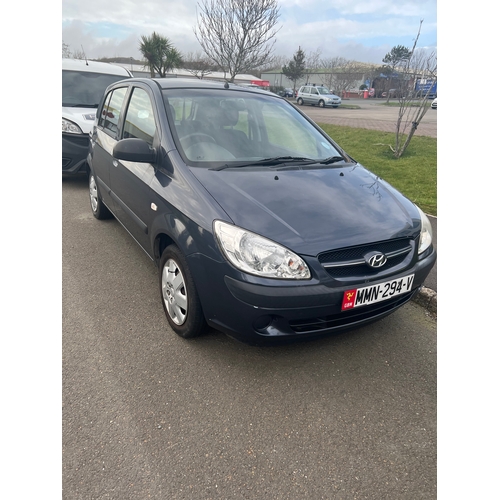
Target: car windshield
(228, 128)
(323, 90)
(83, 89)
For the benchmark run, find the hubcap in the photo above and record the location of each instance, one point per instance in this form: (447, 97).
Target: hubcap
(174, 292)
(93, 193)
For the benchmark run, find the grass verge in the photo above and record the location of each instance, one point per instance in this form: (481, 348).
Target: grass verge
(414, 175)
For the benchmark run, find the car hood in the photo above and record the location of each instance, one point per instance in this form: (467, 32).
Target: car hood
(313, 210)
(331, 96)
(83, 117)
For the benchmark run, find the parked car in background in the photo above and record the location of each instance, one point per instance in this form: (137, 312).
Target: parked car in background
(288, 92)
(260, 224)
(83, 85)
(317, 96)
(434, 103)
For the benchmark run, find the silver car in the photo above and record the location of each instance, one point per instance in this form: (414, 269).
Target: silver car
(317, 96)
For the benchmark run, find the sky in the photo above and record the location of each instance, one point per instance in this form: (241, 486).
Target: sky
(360, 30)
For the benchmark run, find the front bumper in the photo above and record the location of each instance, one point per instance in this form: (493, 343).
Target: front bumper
(74, 153)
(259, 313)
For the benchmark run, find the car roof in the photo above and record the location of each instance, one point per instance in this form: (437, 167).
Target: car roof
(94, 67)
(196, 83)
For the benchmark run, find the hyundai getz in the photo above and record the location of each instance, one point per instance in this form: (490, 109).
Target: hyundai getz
(261, 225)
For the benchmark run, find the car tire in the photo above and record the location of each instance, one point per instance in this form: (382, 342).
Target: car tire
(300, 101)
(179, 296)
(321, 103)
(99, 209)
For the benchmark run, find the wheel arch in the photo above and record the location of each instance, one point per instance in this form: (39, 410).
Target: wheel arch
(162, 241)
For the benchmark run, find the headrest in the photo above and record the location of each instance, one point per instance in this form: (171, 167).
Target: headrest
(230, 115)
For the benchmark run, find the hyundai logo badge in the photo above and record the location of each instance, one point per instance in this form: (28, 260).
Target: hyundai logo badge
(375, 259)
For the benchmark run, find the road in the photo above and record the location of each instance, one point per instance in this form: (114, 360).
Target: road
(147, 414)
(372, 114)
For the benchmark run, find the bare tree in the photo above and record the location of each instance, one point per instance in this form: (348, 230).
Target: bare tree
(198, 64)
(66, 53)
(237, 35)
(79, 54)
(340, 74)
(313, 61)
(411, 109)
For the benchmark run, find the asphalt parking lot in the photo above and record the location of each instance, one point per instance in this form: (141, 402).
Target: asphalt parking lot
(147, 414)
(372, 114)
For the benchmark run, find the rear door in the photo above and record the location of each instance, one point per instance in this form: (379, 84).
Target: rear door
(104, 138)
(130, 181)
(314, 99)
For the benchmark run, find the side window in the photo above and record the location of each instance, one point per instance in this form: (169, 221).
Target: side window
(111, 110)
(314, 91)
(140, 120)
(306, 90)
(104, 111)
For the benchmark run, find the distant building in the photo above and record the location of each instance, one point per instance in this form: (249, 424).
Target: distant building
(142, 71)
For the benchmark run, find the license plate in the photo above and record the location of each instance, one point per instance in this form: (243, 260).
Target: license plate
(376, 293)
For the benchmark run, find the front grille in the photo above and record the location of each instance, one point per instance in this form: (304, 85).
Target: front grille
(350, 262)
(344, 319)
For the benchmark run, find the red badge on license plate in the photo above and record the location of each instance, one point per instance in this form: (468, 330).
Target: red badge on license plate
(349, 299)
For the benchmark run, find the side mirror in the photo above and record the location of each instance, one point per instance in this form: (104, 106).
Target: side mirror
(134, 150)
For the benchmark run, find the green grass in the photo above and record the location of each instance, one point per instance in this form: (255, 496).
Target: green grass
(414, 174)
(396, 104)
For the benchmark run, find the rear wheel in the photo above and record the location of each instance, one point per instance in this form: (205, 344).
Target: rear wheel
(179, 296)
(99, 209)
(300, 101)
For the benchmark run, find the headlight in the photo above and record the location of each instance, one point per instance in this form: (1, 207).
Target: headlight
(425, 233)
(257, 255)
(70, 127)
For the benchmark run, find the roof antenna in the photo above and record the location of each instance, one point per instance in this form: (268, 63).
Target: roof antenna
(84, 55)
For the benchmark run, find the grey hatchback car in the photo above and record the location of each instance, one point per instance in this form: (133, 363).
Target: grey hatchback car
(317, 96)
(260, 224)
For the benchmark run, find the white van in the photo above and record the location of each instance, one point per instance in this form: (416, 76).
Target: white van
(83, 85)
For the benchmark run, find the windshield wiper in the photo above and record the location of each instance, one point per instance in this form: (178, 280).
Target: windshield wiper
(331, 159)
(277, 160)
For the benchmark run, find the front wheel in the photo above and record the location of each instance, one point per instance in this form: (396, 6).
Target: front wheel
(179, 296)
(321, 104)
(300, 101)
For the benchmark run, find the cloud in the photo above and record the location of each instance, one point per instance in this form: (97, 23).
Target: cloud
(356, 29)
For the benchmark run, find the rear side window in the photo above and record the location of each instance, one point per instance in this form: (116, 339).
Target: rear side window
(140, 120)
(110, 114)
